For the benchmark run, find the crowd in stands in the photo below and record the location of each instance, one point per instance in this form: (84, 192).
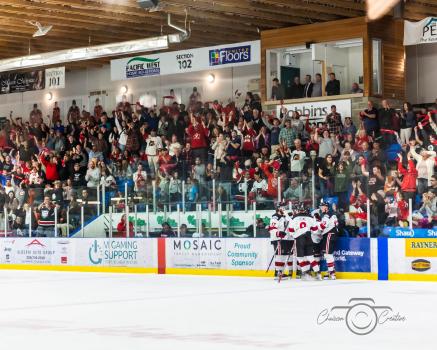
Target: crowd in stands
(387, 156)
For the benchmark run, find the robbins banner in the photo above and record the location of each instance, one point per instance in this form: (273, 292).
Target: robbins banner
(317, 111)
(422, 32)
(206, 58)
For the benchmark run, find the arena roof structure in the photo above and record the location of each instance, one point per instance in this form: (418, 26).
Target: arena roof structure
(80, 23)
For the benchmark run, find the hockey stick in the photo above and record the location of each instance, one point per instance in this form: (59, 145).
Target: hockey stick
(274, 254)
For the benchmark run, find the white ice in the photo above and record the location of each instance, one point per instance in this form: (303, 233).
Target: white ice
(68, 310)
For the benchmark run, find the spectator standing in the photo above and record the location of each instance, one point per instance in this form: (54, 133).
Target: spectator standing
(308, 87)
(408, 185)
(277, 90)
(332, 86)
(35, 116)
(296, 89)
(408, 122)
(317, 88)
(198, 134)
(370, 119)
(385, 116)
(333, 120)
(92, 175)
(287, 134)
(56, 114)
(46, 221)
(425, 168)
(153, 144)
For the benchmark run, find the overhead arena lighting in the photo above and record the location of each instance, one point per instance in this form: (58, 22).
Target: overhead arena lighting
(94, 52)
(42, 30)
(85, 53)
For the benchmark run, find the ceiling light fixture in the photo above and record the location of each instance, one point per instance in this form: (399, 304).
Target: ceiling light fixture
(49, 96)
(42, 30)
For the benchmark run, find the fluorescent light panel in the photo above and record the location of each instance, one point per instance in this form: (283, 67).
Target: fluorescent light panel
(84, 53)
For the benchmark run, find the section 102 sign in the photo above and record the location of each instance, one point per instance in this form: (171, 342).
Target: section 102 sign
(55, 78)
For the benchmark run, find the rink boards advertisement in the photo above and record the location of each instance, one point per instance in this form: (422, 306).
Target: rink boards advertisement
(352, 255)
(218, 253)
(417, 256)
(78, 252)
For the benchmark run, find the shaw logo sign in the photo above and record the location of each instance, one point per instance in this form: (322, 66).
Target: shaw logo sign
(142, 67)
(422, 32)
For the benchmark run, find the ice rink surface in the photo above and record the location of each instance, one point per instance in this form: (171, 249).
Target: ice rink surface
(90, 311)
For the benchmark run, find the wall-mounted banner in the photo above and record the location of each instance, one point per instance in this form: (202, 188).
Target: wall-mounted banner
(422, 32)
(318, 111)
(22, 82)
(205, 58)
(55, 78)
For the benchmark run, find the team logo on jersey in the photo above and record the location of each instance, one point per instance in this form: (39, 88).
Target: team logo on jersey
(361, 315)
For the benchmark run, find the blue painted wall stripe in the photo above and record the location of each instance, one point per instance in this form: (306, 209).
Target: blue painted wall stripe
(382, 259)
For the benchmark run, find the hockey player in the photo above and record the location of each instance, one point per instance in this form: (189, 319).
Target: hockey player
(330, 231)
(316, 236)
(302, 225)
(281, 240)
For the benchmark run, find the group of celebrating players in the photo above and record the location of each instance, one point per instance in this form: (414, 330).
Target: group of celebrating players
(308, 236)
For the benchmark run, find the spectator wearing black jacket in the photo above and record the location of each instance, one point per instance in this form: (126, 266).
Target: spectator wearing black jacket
(296, 89)
(332, 86)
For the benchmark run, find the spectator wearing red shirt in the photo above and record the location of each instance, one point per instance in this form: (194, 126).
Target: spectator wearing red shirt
(198, 134)
(51, 167)
(272, 179)
(249, 135)
(408, 185)
(121, 227)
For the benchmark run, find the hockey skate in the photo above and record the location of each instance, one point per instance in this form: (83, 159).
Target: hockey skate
(318, 276)
(307, 277)
(332, 276)
(281, 274)
(298, 274)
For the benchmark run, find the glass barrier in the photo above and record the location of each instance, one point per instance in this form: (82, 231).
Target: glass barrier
(214, 207)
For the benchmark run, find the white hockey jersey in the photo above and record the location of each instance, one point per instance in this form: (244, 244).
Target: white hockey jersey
(329, 223)
(302, 224)
(316, 235)
(279, 223)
